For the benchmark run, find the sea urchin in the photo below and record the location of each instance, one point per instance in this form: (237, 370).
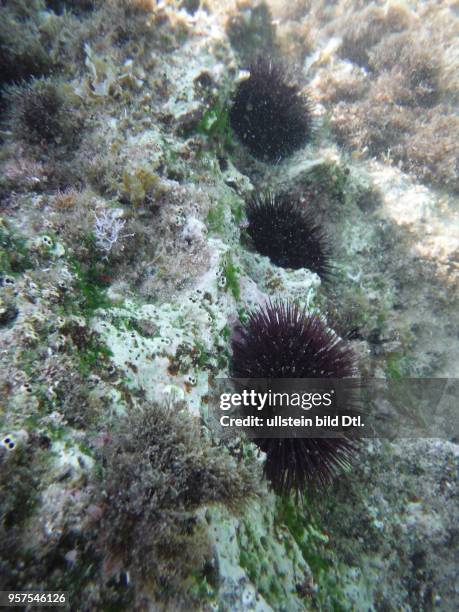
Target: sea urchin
(288, 234)
(45, 112)
(270, 115)
(281, 340)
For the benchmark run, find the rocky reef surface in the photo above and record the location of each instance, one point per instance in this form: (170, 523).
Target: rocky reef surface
(124, 265)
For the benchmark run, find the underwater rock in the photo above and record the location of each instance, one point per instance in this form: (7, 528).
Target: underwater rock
(120, 116)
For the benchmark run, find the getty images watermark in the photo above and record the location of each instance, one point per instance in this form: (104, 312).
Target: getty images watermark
(252, 400)
(282, 408)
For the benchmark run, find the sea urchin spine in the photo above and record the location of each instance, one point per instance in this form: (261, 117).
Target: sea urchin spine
(281, 340)
(288, 234)
(271, 116)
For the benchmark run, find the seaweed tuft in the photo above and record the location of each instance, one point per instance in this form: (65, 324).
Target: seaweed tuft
(159, 470)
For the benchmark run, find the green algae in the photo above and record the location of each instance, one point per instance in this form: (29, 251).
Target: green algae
(232, 274)
(93, 355)
(216, 218)
(215, 126)
(328, 178)
(201, 588)
(237, 209)
(90, 287)
(303, 523)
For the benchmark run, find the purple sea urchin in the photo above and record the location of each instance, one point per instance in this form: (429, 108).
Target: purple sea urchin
(281, 340)
(270, 115)
(287, 234)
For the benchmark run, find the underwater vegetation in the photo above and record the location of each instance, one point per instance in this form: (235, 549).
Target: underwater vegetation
(23, 48)
(130, 243)
(398, 107)
(251, 32)
(281, 340)
(270, 115)
(287, 233)
(59, 6)
(160, 467)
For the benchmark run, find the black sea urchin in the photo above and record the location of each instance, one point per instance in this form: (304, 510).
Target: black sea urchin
(46, 112)
(281, 340)
(270, 115)
(287, 234)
